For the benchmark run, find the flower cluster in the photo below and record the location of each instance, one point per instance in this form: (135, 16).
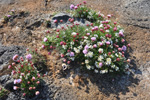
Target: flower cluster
(81, 11)
(27, 77)
(100, 46)
(7, 17)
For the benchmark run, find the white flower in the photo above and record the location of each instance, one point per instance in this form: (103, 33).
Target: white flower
(85, 37)
(105, 55)
(96, 71)
(80, 47)
(95, 35)
(76, 50)
(113, 66)
(73, 33)
(64, 46)
(103, 71)
(90, 46)
(90, 54)
(72, 43)
(116, 40)
(86, 61)
(101, 25)
(117, 34)
(108, 61)
(107, 31)
(116, 55)
(100, 58)
(100, 50)
(116, 68)
(88, 67)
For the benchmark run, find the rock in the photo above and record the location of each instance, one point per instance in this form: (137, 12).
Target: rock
(7, 2)
(4, 79)
(9, 85)
(6, 53)
(35, 23)
(65, 17)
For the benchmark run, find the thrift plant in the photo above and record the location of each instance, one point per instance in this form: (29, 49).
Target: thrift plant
(99, 47)
(81, 11)
(27, 77)
(10, 14)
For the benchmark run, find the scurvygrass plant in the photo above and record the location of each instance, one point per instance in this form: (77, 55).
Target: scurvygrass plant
(10, 14)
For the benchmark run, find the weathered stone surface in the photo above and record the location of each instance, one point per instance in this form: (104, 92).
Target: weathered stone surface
(7, 1)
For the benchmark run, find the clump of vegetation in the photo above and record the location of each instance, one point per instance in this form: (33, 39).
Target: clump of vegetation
(27, 77)
(10, 15)
(82, 11)
(99, 47)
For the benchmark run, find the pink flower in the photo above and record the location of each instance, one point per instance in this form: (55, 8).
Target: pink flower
(30, 88)
(100, 65)
(123, 40)
(8, 16)
(121, 34)
(24, 94)
(119, 49)
(96, 28)
(76, 7)
(94, 46)
(107, 42)
(109, 16)
(37, 82)
(9, 66)
(115, 29)
(71, 6)
(84, 2)
(37, 93)
(128, 60)
(124, 48)
(71, 54)
(15, 87)
(45, 39)
(29, 56)
(93, 38)
(15, 57)
(86, 47)
(85, 51)
(87, 34)
(55, 21)
(128, 45)
(33, 78)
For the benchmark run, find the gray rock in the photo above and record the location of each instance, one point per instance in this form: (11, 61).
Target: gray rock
(7, 2)
(9, 84)
(6, 53)
(4, 79)
(65, 17)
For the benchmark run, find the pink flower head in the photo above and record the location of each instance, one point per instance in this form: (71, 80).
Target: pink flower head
(38, 82)
(123, 40)
(84, 2)
(71, 54)
(15, 57)
(107, 42)
(115, 29)
(45, 39)
(85, 51)
(61, 43)
(121, 34)
(76, 7)
(33, 78)
(93, 38)
(71, 6)
(30, 88)
(86, 47)
(43, 46)
(29, 56)
(88, 34)
(55, 21)
(96, 28)
(94, 46)
(109, 16)
(24, 94)
(9, 66)
(37, 93)
(124, 48)
(15, 87)
(8, 16)
(119, 49)
(100, 65)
